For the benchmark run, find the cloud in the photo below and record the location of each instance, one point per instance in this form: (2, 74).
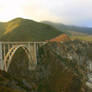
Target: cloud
(71, 11)
(38, 11)
(76, 12)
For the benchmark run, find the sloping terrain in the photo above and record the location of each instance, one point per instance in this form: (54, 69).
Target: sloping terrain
(60, 38)
(61, 67)
(21, 29)
(71, 30)
(9, 83)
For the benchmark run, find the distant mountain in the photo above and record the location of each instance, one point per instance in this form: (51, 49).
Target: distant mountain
(71, 30)
(20, 29)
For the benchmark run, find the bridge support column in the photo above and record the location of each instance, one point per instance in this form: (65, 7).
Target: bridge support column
(1, 58)
(33, 55)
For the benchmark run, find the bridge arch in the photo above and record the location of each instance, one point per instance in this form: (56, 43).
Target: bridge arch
(11, 53)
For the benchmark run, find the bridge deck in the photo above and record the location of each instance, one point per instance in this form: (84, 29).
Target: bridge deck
(21, 42)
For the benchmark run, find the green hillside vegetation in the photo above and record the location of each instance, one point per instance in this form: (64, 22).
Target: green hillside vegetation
(2, 28)
(69, 29)
(75, 32)
(83, 37)
(21, 29)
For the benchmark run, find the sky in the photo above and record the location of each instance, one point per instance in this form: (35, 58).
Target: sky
(70, 12)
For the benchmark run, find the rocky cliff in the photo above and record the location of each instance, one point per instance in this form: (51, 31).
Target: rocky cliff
(62, 67)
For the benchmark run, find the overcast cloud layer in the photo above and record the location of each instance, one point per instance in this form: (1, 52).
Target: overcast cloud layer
(75, 12)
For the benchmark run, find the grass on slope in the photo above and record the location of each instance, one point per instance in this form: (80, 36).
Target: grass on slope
(70, 28)
(7, 89)
(27, 30)
(82, 37)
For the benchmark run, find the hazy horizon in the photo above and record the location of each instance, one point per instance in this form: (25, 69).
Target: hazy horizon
(71, 12)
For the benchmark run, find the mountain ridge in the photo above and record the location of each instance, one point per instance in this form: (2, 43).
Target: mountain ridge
(20, 29)
(69, 29)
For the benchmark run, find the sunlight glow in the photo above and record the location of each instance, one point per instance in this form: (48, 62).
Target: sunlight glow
(10, 9)
(32, 9)
(73, 12)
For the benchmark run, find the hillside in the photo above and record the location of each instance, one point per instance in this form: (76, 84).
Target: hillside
(71, 30)
(61, 67)
(60, 38)
(20, 29)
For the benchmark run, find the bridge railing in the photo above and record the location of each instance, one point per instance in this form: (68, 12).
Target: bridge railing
(21, 42)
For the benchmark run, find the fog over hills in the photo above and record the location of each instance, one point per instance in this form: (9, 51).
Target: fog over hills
(70, 29)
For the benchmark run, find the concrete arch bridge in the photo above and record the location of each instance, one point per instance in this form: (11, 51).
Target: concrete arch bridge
(8, 50)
